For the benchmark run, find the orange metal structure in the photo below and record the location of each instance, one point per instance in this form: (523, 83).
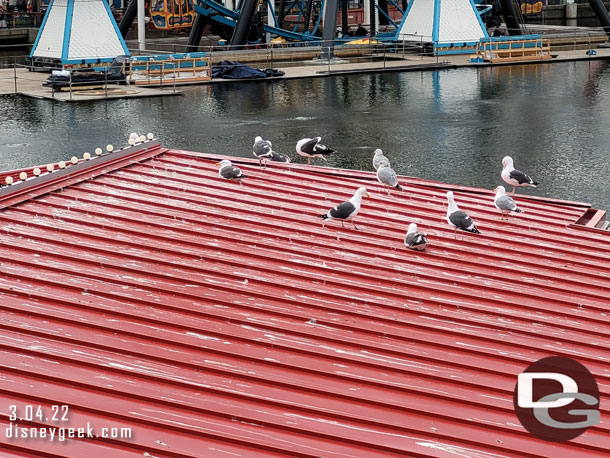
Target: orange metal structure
(214, 319)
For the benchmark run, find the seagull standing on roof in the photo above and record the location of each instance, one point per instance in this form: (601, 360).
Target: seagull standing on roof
(505, 203)
(415, 240)
(379, 159)
(515, 177)
(387, 177)
(262, 149)
(277, 157)
(230, 172)
(459, 219)
(346, 211)
(311, 147)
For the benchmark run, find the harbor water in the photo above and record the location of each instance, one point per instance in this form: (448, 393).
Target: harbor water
(450, 125)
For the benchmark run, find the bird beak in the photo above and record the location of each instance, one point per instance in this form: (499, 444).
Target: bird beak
(367, 195)
(218, 163)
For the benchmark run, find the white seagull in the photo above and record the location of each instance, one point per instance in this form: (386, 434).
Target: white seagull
(504, 203)
(346, 211)
(379, 159)
(311, 147)
(459, 219)
(415, 240)
(515, 177)
(262, 149)
(229, 171)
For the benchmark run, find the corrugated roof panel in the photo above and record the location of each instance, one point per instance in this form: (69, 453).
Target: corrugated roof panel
(219, 319)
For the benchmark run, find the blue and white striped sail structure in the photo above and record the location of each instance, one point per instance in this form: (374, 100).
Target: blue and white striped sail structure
(77, 32)
(442, 22)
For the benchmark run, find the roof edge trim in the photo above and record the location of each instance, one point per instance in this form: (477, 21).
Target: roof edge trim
(84, 170)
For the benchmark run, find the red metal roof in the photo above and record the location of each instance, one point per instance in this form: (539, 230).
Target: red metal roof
(216, 319)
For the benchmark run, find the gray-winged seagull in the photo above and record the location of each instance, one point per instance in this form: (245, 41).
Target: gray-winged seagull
(505, 203)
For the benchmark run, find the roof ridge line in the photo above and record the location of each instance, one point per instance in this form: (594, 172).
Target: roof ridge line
(35, 187)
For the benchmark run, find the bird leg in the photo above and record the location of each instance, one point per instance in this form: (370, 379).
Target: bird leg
(308, 161)
(342, 224)
(455, 233)
(514, 189)
(355, 227)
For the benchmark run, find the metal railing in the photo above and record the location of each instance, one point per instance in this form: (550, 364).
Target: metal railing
(18, 19)
(320, 59)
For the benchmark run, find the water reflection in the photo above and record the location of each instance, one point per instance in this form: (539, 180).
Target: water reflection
(450, 125)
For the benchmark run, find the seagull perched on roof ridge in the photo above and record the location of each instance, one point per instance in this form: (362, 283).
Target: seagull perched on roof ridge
(459, 219)
(515, 177)
(379, 159)
(311, 147)
(230, 172)
(347, 210)
(504, 203)
(415, 240)
(387, 176)
(262, 149)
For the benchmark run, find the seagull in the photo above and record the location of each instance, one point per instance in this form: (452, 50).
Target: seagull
(277, 157)
(262, 149)
(515, 177)
(505, 203)
(379, 159)
(387, 177)
(347, 210)
(457, 218)
(416, 240)
(229, 171)
(311, 147)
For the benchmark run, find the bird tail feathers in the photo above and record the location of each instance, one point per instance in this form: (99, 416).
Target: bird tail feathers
(324, 216)
(398, 187)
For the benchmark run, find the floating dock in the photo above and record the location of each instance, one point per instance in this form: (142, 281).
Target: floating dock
(214, 319)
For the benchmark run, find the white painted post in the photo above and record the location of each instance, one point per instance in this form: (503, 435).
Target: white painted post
(571, 13)
(141, 26)
(269, 20)
(367, 15)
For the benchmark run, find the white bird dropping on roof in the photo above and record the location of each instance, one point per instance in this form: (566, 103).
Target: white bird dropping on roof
(346, 211)
(387, 177)
(415, 240)
(230, 172)
(379, 159)
(262, 149)
(459, 219)
(504, 203)
(311, 147)
(515, 177)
